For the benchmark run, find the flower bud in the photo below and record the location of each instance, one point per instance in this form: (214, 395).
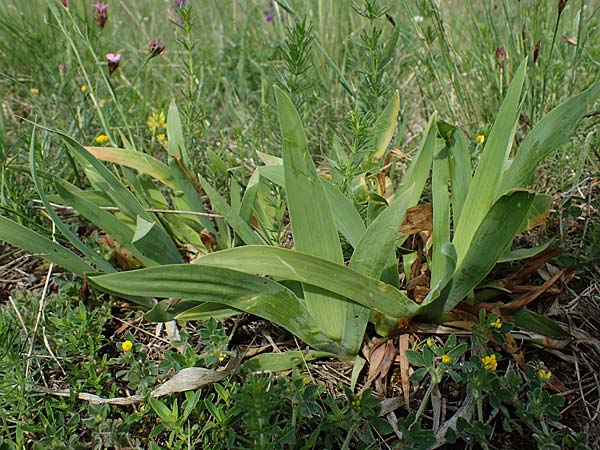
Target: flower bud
(536, 50)
(500, 55)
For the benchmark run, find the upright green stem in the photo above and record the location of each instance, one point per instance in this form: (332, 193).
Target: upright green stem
(425, 400)
(545, 75)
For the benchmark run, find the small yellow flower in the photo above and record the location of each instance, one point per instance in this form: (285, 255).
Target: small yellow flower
(34, 91)
(83, 88)
(446, 359)
(489, 362)
(156, 121)
(127, 346)
(160, 137)
(430, 342)
(102, 139)
(480, 139)
(497, 324)
(544, 375)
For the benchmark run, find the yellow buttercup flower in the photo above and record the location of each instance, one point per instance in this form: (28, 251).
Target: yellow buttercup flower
(127, 346)
(544, 375)
(34, 91)
(446, 359)
(497, 324)
(430, 342)
(102, 139)
(489, 362)
(480, 139)
(156, 121)
(83, 88)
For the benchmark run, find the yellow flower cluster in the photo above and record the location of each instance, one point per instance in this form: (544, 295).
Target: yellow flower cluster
(156, 121)
(126, 346)
(489, 362)
(161, 138)
(102, 139)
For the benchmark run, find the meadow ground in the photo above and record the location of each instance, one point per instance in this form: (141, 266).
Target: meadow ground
(102, 76)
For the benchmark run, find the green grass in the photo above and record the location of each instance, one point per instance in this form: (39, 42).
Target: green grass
(221, 73)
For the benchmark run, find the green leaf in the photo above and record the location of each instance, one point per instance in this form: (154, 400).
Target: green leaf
(523, 253)
(249, 293)
(538, 323)
(276, 362)
(176, 143)
(97, 260)
(537, 214)
(165, 414)
(415, 358)
(486, 182)
(552, 131)
(347, 219)
(384, 127)
(36, 244)
(490, 240)
(376, 250)
(118, 230)
(336, 278)
(154, 243)
(242, 229)
(441, 210)
(460, 173)
(171, 176)
(313, 233)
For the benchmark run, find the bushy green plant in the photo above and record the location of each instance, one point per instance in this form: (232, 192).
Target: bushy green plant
(331, 307)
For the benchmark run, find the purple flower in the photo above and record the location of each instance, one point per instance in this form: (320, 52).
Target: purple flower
(180, 4)
(65, 3)
(113, 62)
(268, 16)
(100, 7)
(101, 15)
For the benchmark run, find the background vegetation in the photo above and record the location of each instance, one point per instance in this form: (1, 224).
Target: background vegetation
(334, 59)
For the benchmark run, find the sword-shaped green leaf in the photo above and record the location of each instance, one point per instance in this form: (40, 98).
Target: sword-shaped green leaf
(249, 293)
(489, 243)
(553, 130)
(308, 269)
(313, 227)
(486, 182)
(36, 244)
(243, 230)
(384, 127)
